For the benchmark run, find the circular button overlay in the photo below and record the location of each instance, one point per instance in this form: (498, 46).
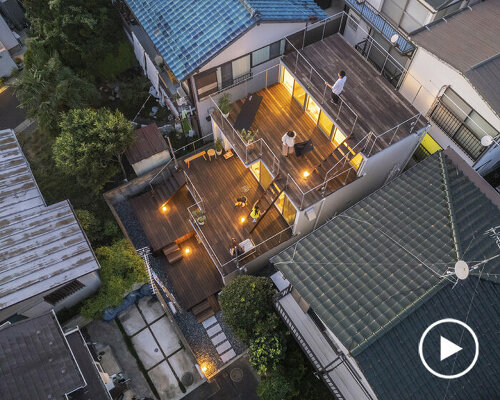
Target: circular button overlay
(448, 347)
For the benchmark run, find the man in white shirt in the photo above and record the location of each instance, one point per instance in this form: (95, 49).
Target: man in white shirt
(337, 87)
(288, 141)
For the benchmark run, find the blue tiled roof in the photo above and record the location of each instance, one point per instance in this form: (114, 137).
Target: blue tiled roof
(189, 33)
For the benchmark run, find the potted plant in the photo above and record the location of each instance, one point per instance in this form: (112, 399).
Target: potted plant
(225, 104)
(199, 217)
(218, 147)
(248, 135)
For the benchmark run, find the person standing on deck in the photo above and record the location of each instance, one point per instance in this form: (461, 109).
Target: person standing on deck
(255, 213)
(338, 86)
(288, 141)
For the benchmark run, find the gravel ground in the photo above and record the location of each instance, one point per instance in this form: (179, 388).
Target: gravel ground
(195, 333)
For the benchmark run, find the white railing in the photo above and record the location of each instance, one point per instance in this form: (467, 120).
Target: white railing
(194, 192)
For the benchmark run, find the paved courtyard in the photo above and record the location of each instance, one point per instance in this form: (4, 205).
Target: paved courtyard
(170, 366)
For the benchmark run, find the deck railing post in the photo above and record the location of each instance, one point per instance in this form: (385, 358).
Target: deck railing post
(173, 153)
(393, 136)
(324, 92)
(353, 125)
(323, 34)
(385, 62)
(304, 37)
(266, 78)
(340, 108)
(296, 62)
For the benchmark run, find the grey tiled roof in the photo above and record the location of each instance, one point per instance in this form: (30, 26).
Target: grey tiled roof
(36, 361)
(368, 268)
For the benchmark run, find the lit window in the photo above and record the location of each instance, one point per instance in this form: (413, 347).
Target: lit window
(325, 124)
(288, 80)
(299, 94)
(313, 109)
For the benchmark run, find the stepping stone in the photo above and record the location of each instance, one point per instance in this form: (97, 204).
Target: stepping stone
(223, 347)
(227, 356)
(213, 330)
(218, 338)
(209, 322)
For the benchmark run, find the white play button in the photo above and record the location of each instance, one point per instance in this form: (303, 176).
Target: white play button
(448, 348)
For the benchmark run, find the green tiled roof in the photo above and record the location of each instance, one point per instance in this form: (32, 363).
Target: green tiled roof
(371, 266)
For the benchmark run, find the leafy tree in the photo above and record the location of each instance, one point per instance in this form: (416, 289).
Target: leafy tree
(245, 302)
(82, 33)
(121, 267)
(266, 352)
(99, 232)
(47, 91)
(91, 145)
(274, 387)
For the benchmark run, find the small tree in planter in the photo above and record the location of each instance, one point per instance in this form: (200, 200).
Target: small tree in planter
(225, 104)
(218, 147)
(248, 135)
(199, 217)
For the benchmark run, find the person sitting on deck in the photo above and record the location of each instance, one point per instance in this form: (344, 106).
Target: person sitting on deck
(255, 213)
(288, 141)
(241, 201)
(236, 250)
(337, 87)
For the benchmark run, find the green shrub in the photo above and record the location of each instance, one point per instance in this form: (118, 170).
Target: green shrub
(115, 63)
(245, 302)
(274, 387)
(99, 232)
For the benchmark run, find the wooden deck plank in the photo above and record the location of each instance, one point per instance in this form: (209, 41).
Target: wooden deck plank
(195, 277)
(163, 228)
(379, 105)
(219, 182)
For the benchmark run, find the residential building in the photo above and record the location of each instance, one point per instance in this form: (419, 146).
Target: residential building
(209, 45)
(359, 292)
(454, 78)
(46, 261)
(40, 361)
(187, 209)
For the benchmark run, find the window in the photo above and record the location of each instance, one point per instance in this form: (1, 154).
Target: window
(241, 67)
(287, 80)
(233, 72)
(267, 53)
(206, 83)
(299, 94)
(312, 109)
(325, 124)
(461, 123)
(261, 173)
(286, 208)
(338, 137)
(64, 291)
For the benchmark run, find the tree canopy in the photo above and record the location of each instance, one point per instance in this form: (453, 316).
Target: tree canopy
(121, 267)
(91, 145)
(49, 88)
(245, 303)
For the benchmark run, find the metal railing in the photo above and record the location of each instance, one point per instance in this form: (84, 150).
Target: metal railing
(194, 192)
(161, 173)
(303, 343)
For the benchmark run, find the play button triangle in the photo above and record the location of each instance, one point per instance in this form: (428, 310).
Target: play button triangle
(447, 348)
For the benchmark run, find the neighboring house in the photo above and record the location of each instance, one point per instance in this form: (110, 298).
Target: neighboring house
(209, 45)
(148, 151)
(7, 64)
(354, 148)
(359, 292)
(454, 78)
(46, 261)
(40, 361)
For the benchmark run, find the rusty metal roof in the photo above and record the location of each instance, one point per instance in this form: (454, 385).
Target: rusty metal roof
(40, 247)
(148, 143)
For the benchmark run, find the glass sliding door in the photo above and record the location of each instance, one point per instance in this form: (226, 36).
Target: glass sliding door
(286, 208)
(312, 109)
(287, 80)
(299, 93)
(261, 173)
(325, 124)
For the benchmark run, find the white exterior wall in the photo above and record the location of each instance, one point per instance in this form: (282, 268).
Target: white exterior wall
(6, 36)
(433, 74)
(355, 36)
(35, 305)
(375, 173)
(257, 37)
(150, 163)
(7, 64)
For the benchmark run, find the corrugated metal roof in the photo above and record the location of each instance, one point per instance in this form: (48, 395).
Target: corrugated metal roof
(189, 33)
(466, 38)
(36, 361)
(148, 143)
(40, 247)
(373, 264)
(18, 188)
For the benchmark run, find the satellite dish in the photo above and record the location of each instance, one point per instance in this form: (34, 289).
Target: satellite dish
(394, 38)
(486, 140)
(461, 270)
(158, 60)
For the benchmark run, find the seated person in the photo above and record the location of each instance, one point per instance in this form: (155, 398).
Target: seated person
(241, 201)
(235, 249)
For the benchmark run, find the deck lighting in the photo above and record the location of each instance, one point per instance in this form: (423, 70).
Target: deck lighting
(164, 207)
(305, 174)
(187, 250)
(242, 220)
(204, 368)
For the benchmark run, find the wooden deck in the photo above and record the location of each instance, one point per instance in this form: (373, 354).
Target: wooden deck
(219, 182)
(279, 113)
(379, 105)
(195, 277)
(162, 228)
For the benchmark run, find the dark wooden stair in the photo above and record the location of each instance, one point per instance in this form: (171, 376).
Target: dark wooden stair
(170, 183)
(203, 311)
